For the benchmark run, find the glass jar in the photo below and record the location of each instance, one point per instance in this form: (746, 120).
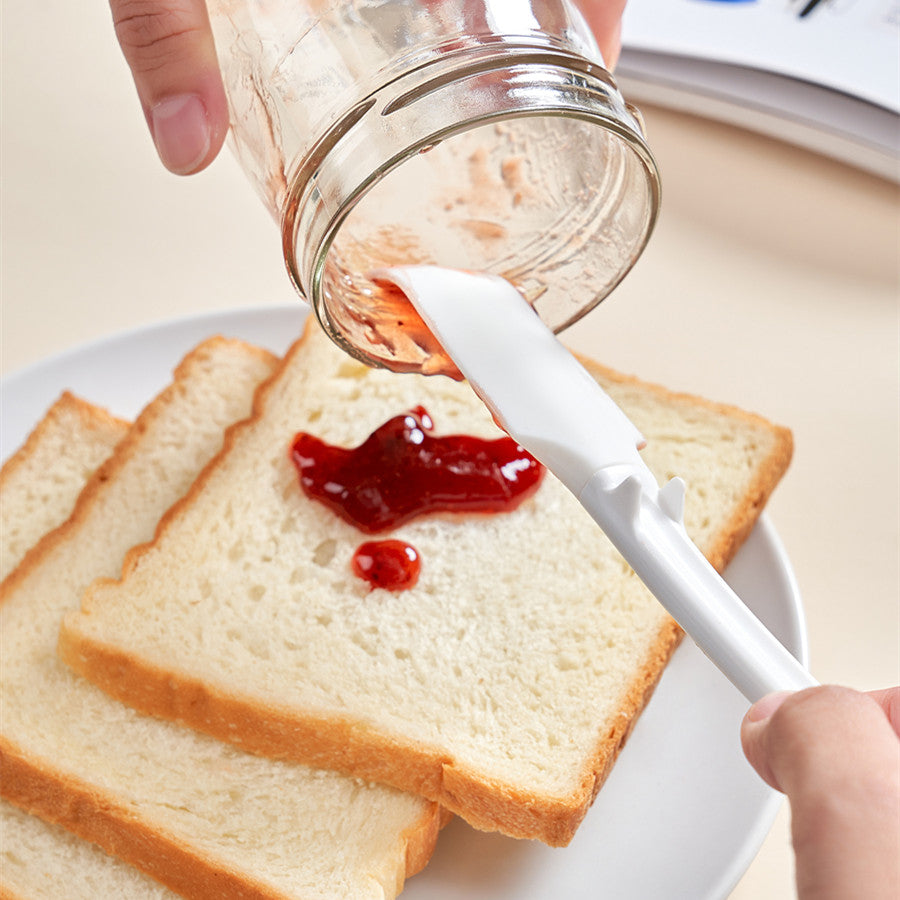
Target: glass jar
(476, 134)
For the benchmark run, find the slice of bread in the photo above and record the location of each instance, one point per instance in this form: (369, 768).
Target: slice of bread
(199, 816)
(41, 481)
(38, 488)
(45, 862)
(502, 685)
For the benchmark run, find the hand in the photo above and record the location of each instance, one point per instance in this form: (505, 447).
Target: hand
(605, 19)
(835, 753)
(169, 48)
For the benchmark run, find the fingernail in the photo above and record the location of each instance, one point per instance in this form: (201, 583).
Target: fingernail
(181, 132)
(763, 709)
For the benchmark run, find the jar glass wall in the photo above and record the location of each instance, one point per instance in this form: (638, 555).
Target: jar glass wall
(477, 135)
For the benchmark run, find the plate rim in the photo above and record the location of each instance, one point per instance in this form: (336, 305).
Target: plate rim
(221, 321)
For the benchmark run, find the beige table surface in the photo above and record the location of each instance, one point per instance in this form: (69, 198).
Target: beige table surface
(771, 282)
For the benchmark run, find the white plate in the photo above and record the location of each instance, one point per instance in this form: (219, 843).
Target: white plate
(682, 814)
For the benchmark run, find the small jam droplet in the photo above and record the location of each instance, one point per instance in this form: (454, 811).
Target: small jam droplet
(392, 565)
(402, 471)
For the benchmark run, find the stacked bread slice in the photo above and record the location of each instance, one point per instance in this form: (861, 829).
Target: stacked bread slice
(40, 483)
(38, 489)
(197, 815)
(502, 685)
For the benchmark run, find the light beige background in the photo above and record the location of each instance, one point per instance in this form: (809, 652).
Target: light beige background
(772, 282)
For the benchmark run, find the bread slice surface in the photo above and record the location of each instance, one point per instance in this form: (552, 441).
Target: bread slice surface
(41, 481)
(45, 862)
(200, 816)
(502, 685)
(38, 488)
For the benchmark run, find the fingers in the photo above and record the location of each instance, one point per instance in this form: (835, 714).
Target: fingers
(836, 755)
(605, 20)
(169, 48)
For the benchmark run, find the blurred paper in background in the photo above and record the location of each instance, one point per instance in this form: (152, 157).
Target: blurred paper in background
(822, 74)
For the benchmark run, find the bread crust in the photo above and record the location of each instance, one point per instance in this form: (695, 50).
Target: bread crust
(39, 789)
(352, 746)
(92, 418)
(106, 428)
(36, 787)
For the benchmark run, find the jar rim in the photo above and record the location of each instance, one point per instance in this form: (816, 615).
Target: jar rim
(368, 143)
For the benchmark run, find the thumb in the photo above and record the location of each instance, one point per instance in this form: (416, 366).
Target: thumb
(169, 48)
(604, 17)
(835, 754)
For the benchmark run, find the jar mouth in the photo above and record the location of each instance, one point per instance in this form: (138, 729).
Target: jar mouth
(527, 164)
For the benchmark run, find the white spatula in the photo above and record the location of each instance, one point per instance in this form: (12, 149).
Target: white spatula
(548, 402)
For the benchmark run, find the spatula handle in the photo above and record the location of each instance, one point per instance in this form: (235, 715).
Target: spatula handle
(651, 537)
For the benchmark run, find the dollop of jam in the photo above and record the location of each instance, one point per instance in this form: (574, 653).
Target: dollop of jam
(391, 564)
(402, 471)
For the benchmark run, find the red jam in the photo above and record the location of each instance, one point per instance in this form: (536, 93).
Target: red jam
(392, 320)
(392, 565)
(402, 471)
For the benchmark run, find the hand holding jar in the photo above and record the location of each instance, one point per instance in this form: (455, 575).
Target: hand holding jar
(168, 45)
(483, 135)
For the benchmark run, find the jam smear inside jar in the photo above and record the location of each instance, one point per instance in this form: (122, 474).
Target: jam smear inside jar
(402, 471)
